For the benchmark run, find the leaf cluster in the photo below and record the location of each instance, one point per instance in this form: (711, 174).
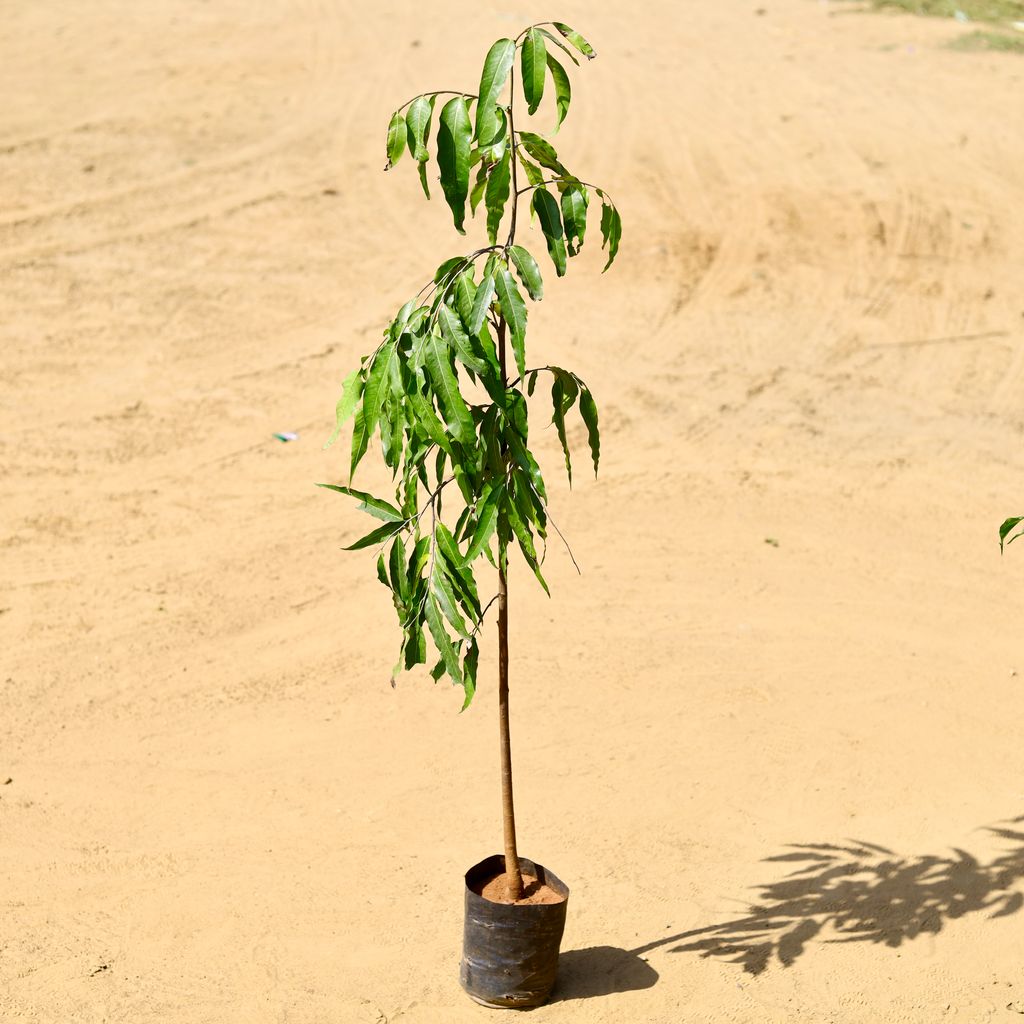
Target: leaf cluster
(442, 391)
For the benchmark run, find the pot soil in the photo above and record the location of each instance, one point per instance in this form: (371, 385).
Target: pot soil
(510, 950)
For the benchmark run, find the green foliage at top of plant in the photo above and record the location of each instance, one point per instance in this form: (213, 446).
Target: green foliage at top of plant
(975, 10)
(446, 389)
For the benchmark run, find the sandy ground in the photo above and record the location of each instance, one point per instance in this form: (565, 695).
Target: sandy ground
(779, 777)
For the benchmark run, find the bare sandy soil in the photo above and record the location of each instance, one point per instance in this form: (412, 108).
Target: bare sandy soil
(771, 738)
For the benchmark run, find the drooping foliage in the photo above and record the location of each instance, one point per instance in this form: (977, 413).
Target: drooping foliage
(446, 389)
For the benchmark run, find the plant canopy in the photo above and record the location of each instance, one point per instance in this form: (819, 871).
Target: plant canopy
(446, 389)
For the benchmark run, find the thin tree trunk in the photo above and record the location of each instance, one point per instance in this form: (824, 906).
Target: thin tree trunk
(513, 875)
(512, 872)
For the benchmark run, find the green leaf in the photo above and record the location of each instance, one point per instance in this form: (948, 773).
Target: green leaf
(564, 390)
(417, 120)
(451, 328)
(377, 507)
(525, 538)
(469, 669)
(529, 272)
(574, 214)
(454, 134)
(382, 533)
(1005, 529)
(478, 187)
(492, 80)
(523, 458)
(513, 309)
(563, 90)
(351, 391)
(481, 303)
(534, 175)
(487, 520)
(418, 126)
(441, 639)
(396, 565)
(534, 58)
(373, 399)
(611, 230)
(551, 224)
(576, 39)
(543, 152)
(396, 140)
(459, 572)
(398, 325)
(442, 592)
(464, 292)
(560, 43)
(588, 410)
(529, 502)
(496, 150)
(457, 415)
(414, 648)
(446, 268)
(496, 194)
(427, 420)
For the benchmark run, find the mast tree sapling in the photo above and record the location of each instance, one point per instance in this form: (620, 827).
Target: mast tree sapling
(446, 389)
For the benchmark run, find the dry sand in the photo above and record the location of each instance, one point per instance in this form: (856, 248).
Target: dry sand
(221, 811)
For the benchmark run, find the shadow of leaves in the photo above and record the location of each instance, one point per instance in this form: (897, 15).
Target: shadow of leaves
(860, 892)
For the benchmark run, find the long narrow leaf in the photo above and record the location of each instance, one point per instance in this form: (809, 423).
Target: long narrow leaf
(564, 390)
(382, 533)
(457, 415)
(588, 410)
(543, 152)
(487, 521)
(496, 194)
(551, 224)
(529, 272)
(563, 90)
(481, 303)
(469, 668)
(492, 80)
(611, 230)
(513, 309)
(396, 140)
(377, 507)
(534, 59)
(442, 641)
(351, 391)
(576, 39)
(451, 329)
(453, 141)
(574, 215)
(417, 120)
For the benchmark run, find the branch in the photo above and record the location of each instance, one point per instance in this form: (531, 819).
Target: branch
(437, 92)
(452, 274)
(570, 180)
(535, 369)
(483, 614)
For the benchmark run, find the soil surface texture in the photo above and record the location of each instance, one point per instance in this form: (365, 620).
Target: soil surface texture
(771, 737)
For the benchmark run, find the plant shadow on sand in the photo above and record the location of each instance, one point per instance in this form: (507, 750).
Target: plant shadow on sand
(854, 892)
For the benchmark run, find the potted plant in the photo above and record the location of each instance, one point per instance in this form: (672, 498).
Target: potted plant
(446, 391)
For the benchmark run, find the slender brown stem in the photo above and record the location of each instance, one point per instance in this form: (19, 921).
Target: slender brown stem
(513, 874)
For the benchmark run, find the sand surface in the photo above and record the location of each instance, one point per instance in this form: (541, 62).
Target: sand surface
(768, 738)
